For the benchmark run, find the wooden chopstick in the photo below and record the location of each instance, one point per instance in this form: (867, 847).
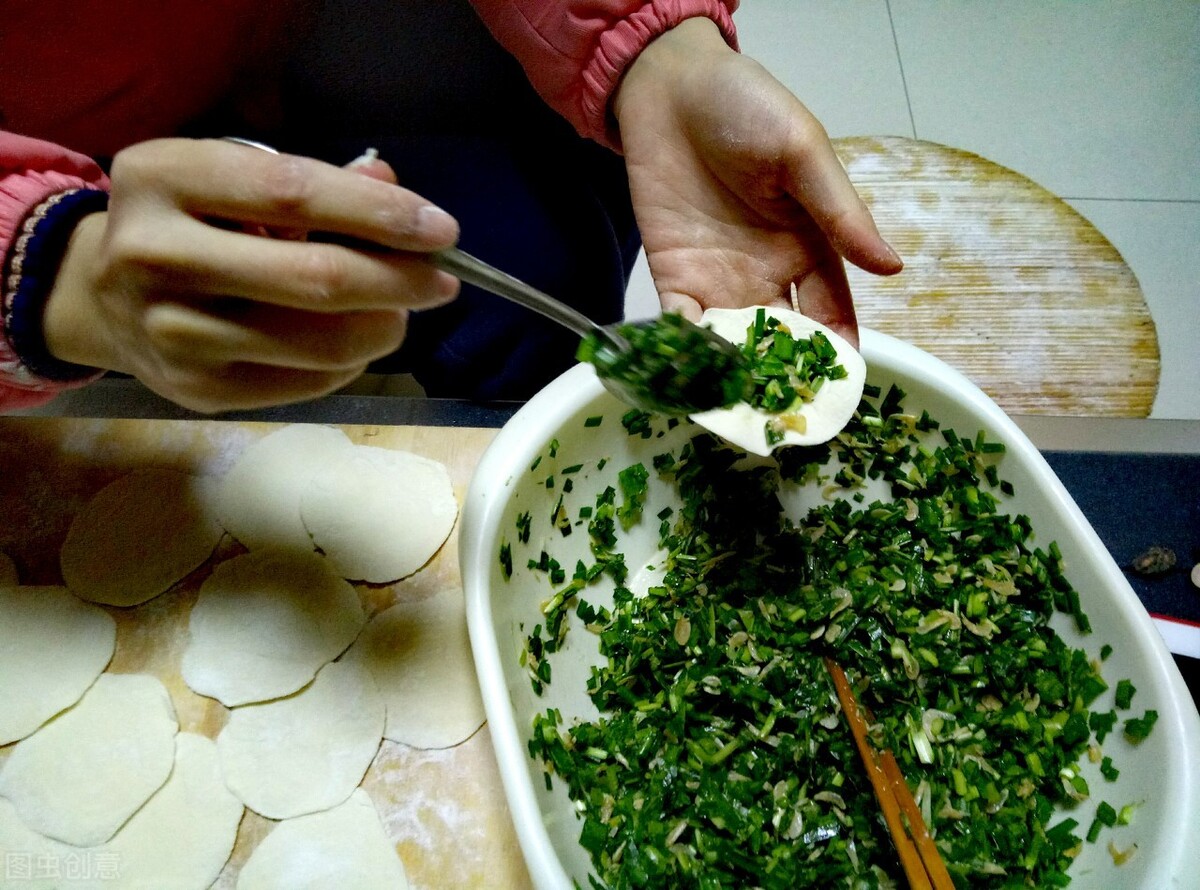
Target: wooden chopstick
(919, 856)
(931, 857)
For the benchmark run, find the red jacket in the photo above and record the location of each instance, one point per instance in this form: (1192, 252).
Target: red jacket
(96, 77)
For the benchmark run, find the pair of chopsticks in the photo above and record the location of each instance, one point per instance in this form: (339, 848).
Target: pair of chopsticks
(919, 856)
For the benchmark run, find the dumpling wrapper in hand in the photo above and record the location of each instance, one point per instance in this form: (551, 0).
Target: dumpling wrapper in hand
(825, 416)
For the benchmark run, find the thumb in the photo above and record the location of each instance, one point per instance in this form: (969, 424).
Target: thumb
(688, 307)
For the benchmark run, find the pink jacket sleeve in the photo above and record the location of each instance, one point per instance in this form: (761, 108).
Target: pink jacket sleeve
(32, 171)
(575, 51)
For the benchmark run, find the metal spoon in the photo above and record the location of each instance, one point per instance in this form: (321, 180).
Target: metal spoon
(475, 271)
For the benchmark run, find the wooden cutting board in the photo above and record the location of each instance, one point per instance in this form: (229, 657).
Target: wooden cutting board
(1004, 281)
(445, 809)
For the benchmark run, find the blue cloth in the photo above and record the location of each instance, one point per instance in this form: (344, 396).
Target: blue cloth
(43, 255)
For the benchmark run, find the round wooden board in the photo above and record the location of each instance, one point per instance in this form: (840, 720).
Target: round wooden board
(1004, 281)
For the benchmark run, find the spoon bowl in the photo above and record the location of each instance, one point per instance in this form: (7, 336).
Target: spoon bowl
(667, 365)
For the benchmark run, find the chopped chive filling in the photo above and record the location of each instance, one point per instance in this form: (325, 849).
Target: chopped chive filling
(633, 487)
(671, 365)
(721, 758)
(1124, 694)
(506, 560)
(787, 372)
(1102, 723)
(1137, 729)
(524, 524)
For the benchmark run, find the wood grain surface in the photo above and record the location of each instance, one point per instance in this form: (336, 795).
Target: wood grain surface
(445, 809)
(1004, 281)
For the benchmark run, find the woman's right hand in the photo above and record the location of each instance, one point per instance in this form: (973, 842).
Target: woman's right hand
(176, 284)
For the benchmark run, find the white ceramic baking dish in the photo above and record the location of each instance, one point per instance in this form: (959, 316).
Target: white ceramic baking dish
(1163, 772)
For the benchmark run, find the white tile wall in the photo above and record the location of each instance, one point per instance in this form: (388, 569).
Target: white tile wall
(1160, 240)
(1089, 99)
(839, 57)
(1097, 100)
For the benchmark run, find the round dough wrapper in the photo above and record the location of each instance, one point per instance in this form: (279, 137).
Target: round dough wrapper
(307, 752)
(420, 656)
(825, 416)
(138, 536)
(183, 836)
(180, 840)
(379, 514)
(52, 649)
(258, 499)
(81, 776)
(22, 847)
(265, 622)
(343, 847)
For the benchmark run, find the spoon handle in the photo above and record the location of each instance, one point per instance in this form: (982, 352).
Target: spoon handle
(475, 271)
